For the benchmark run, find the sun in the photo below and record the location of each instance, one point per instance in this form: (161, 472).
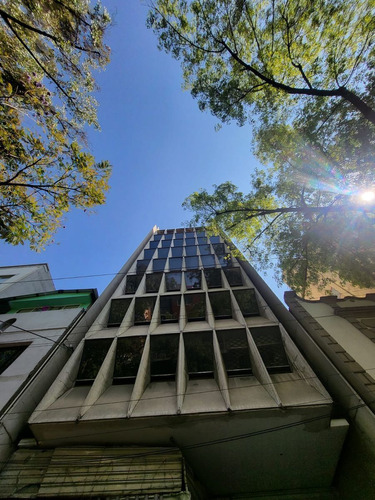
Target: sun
(367, 196)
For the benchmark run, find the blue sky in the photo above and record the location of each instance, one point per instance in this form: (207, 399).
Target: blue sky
(161, 147)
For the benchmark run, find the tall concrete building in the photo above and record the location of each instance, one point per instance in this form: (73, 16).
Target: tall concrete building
(187, 384)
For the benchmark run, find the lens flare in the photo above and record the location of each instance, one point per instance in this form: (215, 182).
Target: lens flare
(367, 196)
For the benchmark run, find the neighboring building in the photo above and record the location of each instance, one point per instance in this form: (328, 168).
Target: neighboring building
(35, 324)
(186, 382)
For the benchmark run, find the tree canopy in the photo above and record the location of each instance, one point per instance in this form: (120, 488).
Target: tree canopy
(48, 52)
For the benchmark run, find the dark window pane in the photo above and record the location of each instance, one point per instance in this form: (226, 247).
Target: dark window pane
(213, 278)
(163, 252)
(170, 231)
(166, 243)
(215, 239)
(199, 353)
(170, 308)
(177, 252)
(94, 352)
(175, 263)
(164, 349)
(178, 243)
(221, 304)
(247, 301)
(225, 260)
(144, 307)
(195, 305)
(158, 264)
(128, 356)
(271, 348)
(132, 282)
(173, 281)
(158, 235)
(153, 282)
(233, 275)
(8, 354)
(191, 262)
(204, 249)
(202, 240)
(201, 234)
(193, 279)
(235, 351)
(154, 244)
(189, 240)
(189, 230)
(192, 250)
(142, 265)
(219, 248)
(117, 311)
(148, 253)
(179, 235)
(168, 236)
(208, 260)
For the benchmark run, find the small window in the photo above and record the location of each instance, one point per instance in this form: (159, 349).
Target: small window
(148, 253)
(204, 249)
(158, 235)
(215, 239)
(168, 236)
(94, 352)
(208, 260)
(221, 304)
(158, 264)
(193, 279)
(163, 253)
(5, 278)
(271, 348)
(170, 308)
(199, 354)
(144, 307)
(163, 356)
(128, 357)
(173, 282)
(235, 351)
(191, 251)
(170, 231)
(233, 276)
(9, 354)
(153, 282)
(154, 244)
(191, 262)
(179, 235)
(225, 260)
(166, 243)
(189, 240)
(213, 278)
(201, 234)
(178, 243)
(202, 240)
(219, 248)
(247, 301)
(195, 305)
(177, 251)
(175, 263)
(118, 310)
(132, 282)
(142, 266)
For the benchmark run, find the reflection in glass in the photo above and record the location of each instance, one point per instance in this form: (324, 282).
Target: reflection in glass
(191, 262)
(178, 243)
(193, 279)
(247, 301)
(158, 235)
(179, 234)
(221, 304)
(148, 253)
(202, 240)
(144, 307)
(158, 264)
(9, 354)
(219, 248)
(215, 239)
(204, 249)
(118, 310)
(175, 263)
(166, 243)
(189, 240)
(132, 282)
(154, 244)
(128, 357)
(163, 252)
(201, 234)
(271, 348)
(173, 281)
(177, 251)
(170, 308)
(153, 282)
(208, 260)
(199, 353)
(235, 351)
(195, 305)
(163, 356)
(142, 265)
(192, 250)
(233, 276)
(168, 236)
(94, 352)
(225, 260)
(213, 278)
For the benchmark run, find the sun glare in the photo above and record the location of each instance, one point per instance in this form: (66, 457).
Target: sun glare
(367, 196)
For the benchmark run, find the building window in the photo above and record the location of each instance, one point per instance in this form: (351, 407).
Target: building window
(191, 262)
(148, 253)
(128, 356)
(177, 251)
(233, 276)
(9, 354)
(158, 264)
(201, 234)
(247, 301)
(118, 310)
(175, 263)
(199, 354)
(218, 248)
(235, 351)
(213, 278)
(142, 266)
(190, 251)
(208, 260)
(163, 253)
(202, 240)
(225, 260)
(166, 243)
(168, 236)
(179, 234)
(153, 282)
(221, 304)
(170, 308)
(4, 278)
(189, 240)
(154, 244)
(204, 249)
(158, 235)
(144, 307)
(215, 239)
(132, 282)
(173, 282)
(195, 305)
(178, 243)
(271, 348)
(94, 352)
(193, 279)
(163, 356)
